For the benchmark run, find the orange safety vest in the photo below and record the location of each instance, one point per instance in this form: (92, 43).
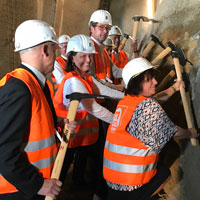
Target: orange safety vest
(122, 59)
(102, 63)
(40, 146)
(127, 161)
(120, 62)
(63, 63)
(87, 131)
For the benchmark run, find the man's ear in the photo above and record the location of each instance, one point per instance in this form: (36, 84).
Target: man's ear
(91, 29)
(45, 48)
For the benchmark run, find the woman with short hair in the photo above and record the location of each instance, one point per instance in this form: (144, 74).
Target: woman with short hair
(139, 131)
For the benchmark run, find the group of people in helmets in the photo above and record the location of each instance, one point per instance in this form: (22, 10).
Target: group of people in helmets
(123, 144)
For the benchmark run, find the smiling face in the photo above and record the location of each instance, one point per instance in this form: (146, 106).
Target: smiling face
(83, 61)
(148, 86)
(100, 32)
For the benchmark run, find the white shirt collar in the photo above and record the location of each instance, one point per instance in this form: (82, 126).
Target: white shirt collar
(113, 51)
(96, 41)
(64, 57)
(40, 76)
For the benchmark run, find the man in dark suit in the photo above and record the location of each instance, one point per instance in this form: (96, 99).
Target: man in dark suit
(28, 121)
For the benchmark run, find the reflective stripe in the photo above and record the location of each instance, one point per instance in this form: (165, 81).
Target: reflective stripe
(80, 121)
(87, 131)
(38, 145)
(87, 118)
(44, 163)
(127, 150)
(128, 168)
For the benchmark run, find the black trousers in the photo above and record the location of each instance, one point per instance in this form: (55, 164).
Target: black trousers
(144, 192)
(100, 184)
(79, 156)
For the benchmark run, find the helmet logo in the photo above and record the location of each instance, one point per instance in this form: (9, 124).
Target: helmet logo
(90, 44)
(106, 17)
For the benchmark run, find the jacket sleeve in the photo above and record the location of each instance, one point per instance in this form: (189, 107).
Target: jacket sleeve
(99, 88)
(15, 114)
(92, 107)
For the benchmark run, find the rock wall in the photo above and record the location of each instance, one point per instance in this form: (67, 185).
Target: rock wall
(66, 16)
(180, 25)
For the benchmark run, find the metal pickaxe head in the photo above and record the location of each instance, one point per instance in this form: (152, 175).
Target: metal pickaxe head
(156, 40)
(126, 36)
(172, 46)
(145, 19)
(78, 96)
(182, 58)
(179, 53)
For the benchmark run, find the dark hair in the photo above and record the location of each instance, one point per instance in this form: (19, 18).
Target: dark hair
(134, 86)
(70, 65)
(93, 24)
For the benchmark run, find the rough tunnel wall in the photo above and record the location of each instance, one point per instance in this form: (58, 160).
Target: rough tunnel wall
(122, 13)
(180, 24)
(12, 14)
(75, 18)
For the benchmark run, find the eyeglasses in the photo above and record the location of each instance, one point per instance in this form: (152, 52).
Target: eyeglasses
(101, 27)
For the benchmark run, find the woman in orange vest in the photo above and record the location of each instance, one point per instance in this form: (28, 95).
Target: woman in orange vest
(80, 52)
(139, 131)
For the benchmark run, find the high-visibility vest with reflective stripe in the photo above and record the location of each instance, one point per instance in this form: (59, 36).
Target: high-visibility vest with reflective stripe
(86, 132)
(122, 59)
(127, 161)
(63, 64)
(120, 62)
(39, 146)
(102, 63)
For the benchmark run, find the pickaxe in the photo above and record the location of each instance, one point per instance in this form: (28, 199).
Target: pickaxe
(186, 105)
(166, 51)
(151, 44)
(75, 98)
(123, 42)
(182, 60)
(136, 20)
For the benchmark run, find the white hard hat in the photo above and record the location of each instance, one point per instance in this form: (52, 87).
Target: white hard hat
(63, 39)
(115, 30)
(134, 68)
(109, 42)
(101, 16)
(80, 43)
(33, 32)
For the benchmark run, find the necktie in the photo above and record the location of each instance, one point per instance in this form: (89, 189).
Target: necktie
(49, 100)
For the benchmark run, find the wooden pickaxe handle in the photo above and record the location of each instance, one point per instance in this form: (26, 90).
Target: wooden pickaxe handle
(122, 44)
(161, 55)
(148, 49)
(165, 80)
(186, 106)
(134, 35)
(63, 146)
